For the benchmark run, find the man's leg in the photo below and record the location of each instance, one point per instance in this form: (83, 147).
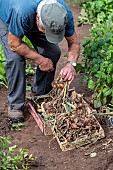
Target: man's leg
(42, 81)
(15, 72)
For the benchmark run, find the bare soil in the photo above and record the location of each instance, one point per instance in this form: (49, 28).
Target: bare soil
(45, 148)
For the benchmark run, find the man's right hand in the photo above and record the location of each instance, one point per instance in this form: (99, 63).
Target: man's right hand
(46, 65)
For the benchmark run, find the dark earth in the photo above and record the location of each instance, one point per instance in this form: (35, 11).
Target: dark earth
(45, 148)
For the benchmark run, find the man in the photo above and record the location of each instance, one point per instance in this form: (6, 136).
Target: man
(45, 23)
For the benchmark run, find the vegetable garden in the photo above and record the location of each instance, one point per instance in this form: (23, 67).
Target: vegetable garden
(94, 78)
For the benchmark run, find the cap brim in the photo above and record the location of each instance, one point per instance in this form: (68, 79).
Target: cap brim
(54, 37)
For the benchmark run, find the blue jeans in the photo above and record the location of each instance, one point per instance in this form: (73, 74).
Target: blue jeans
(16, 64)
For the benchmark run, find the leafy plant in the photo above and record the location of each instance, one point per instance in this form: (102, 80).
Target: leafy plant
(98, 58)
(17, 126)
(11, 158)
(3, 80)
(28, 87)
(27, 41)
(95, 11)
(30, 70)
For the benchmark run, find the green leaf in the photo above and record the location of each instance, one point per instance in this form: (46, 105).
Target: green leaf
(28, 88)
(105, 89)
(110, 48)
(95, 68)
(84, 79)
(107, 93)
(110, 68)
(109, 79)
(103, 75)
(79, 68)
(86, 42)
(91, 84)
(29, 70)
(67, 108)
(104, 100)
(97, 103)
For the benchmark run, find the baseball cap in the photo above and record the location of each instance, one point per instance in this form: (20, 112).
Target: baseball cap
(54, 19)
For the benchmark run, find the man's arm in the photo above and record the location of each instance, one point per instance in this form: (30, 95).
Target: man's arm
(73, 48)
(68, 72)
(18, 46)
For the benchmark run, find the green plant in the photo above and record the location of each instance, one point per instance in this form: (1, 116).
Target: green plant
(3, 80)
(17, 126)
(95, 11)
(30, 70)
(98, 59)
(11, 158)
(27, 41)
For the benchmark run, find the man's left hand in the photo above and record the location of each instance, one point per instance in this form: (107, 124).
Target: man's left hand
(68, 73)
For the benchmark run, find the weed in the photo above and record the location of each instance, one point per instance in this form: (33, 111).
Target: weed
(12, 158)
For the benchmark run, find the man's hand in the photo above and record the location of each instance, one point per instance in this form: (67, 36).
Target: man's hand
(46, 65)
(68, 73)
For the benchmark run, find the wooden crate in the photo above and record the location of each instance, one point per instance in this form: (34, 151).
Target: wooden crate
(65, 145)
(80, 141)
(39, 120)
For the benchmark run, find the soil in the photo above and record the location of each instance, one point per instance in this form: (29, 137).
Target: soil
(45, 148)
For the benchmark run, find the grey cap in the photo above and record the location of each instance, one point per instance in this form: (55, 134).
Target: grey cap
(54, 19)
